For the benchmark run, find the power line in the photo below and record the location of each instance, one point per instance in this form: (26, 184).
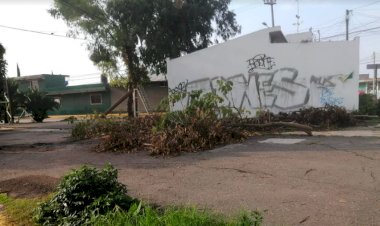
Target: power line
(39, 32)
(364, 25)
(354, 32)
(366, 5)
(367, 15)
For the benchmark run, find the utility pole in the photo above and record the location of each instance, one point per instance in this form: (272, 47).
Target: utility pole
(271, 3)
(375, 76)
(347, 23)
(374, 66)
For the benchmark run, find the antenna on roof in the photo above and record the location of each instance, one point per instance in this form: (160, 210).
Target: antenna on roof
(298, 23)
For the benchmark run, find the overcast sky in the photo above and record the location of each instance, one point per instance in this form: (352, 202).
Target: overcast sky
(41, 54)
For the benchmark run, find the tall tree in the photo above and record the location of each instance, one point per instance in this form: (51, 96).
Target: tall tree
(3, 71)
(144, 33)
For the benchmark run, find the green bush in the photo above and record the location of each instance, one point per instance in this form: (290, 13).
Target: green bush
(84, 193)
(39, 104)
(367, 104)
(148, 216)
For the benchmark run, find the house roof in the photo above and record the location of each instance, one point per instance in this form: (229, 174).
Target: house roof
(368, 81)
(90, 88)
(363, 76)
(34, 77)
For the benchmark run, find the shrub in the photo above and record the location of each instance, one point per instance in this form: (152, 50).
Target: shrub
(81, 194)
(39, 104)
(367, 104)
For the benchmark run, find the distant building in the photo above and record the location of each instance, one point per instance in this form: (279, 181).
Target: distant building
(89, 98)
(366, 85)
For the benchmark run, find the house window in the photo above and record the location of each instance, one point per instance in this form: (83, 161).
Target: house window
(96, 99)
(34, 84)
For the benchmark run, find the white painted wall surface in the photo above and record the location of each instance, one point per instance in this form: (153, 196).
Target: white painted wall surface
(299, 74)
(300, 37)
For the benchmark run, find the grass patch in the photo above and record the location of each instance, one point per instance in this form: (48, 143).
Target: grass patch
(148, 216)
(19, 211)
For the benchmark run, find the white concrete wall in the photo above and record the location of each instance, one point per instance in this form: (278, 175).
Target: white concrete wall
(300, 37)
(289, 77)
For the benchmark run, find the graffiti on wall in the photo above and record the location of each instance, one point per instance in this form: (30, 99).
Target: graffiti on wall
(278, 90)
(180, 88)
(328, 97)
(260, 61)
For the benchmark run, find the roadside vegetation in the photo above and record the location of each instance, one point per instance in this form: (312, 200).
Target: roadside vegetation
(206, 122)
(19, 212)
(368, 105)
(88, 196)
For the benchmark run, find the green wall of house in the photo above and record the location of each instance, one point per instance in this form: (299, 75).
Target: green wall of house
(363, 87)
(23, 86)
(45, 84)
(52, 82)
(80, 103)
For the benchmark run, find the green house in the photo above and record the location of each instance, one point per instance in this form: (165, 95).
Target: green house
(81, 99)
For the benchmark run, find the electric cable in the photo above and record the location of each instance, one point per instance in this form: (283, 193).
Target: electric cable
(39, 32)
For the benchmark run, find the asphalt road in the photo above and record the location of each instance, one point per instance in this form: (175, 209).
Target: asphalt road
(321, 180)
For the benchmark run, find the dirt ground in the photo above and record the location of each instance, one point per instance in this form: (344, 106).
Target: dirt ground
(323, 180)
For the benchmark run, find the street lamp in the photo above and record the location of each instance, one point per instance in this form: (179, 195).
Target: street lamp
(271, 3)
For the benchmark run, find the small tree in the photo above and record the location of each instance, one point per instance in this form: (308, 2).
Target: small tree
(3, 71)
(39, 104)
(16, 98)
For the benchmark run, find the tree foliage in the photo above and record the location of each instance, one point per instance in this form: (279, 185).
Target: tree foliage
(367, 104)
(3, 71)
(144, 33)
(3, 65)
(39, 104)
